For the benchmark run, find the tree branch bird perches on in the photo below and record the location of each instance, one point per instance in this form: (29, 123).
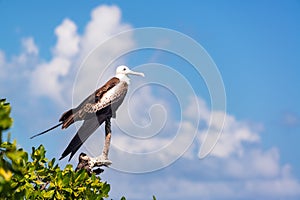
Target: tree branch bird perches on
(97, 108)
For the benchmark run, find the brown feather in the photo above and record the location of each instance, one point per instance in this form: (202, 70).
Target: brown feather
(108, 85)
(77, 114)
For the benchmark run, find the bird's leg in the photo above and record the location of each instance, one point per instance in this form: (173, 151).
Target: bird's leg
(107, 139)
(102, 160)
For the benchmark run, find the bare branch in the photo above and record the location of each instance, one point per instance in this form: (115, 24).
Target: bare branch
(89, 163)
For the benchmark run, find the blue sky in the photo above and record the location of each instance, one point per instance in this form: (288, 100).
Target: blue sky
(255, 46)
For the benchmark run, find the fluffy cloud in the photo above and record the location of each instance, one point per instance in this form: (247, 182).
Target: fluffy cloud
(105, 22)
(237, 167)
(2, 60)
(53, 78)
(230, 134)
(234, 135)
(204, 179)
(182, 188)
(45, 79)
(255, 163)
(30, 46)
(28, 54)
(23, 63)
(99, 48)
(67, 39)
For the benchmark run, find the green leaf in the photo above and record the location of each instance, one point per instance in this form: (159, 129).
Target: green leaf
(106, 189)
(66, 180)
(14, 184)
(49, 194)
(81, 189)
(69, 190)
(5, 120)
(58, 195)
(81, 176)
(51, 163)
(39, 182)
(76, 194)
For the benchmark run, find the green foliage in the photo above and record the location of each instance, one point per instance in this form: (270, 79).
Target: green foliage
(41, 178)
(5, 119)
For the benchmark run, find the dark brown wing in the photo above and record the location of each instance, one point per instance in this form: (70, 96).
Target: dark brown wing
(88, 127)
(78, 113)
(96, 96)
(111, 83)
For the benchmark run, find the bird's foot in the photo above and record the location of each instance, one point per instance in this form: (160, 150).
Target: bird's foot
(100, 161)
(103, 160)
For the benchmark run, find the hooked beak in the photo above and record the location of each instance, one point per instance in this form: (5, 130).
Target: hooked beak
(136, 73)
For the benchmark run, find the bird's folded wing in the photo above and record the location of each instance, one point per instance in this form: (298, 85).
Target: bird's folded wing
(113, 95)
(88, 127)
(96, 96)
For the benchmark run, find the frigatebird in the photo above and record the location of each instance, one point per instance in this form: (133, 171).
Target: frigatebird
(97, 108)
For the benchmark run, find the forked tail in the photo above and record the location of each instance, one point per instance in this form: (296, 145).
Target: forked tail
(46, 130)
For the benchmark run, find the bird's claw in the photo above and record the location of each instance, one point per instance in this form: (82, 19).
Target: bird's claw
(100, 161)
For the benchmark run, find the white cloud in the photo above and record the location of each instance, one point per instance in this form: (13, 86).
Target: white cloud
(105, 22)
(2, 58)
(265, 163)
(237, 149)
(45, 79)
(182, 188)
(192, 180)
(195, 180)
(67, 39)
(22, 63)
(237, 168)
(278, 188)
(233, 133)
(203, 110)
(29, 53)
(253, 164)
(53, 78)
(99, 49)
(2, 61)
(233, 137)
(30, 46)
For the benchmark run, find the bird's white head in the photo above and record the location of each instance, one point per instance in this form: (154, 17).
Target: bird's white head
(123, 71)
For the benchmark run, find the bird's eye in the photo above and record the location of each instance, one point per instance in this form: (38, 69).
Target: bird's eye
(124, 69)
